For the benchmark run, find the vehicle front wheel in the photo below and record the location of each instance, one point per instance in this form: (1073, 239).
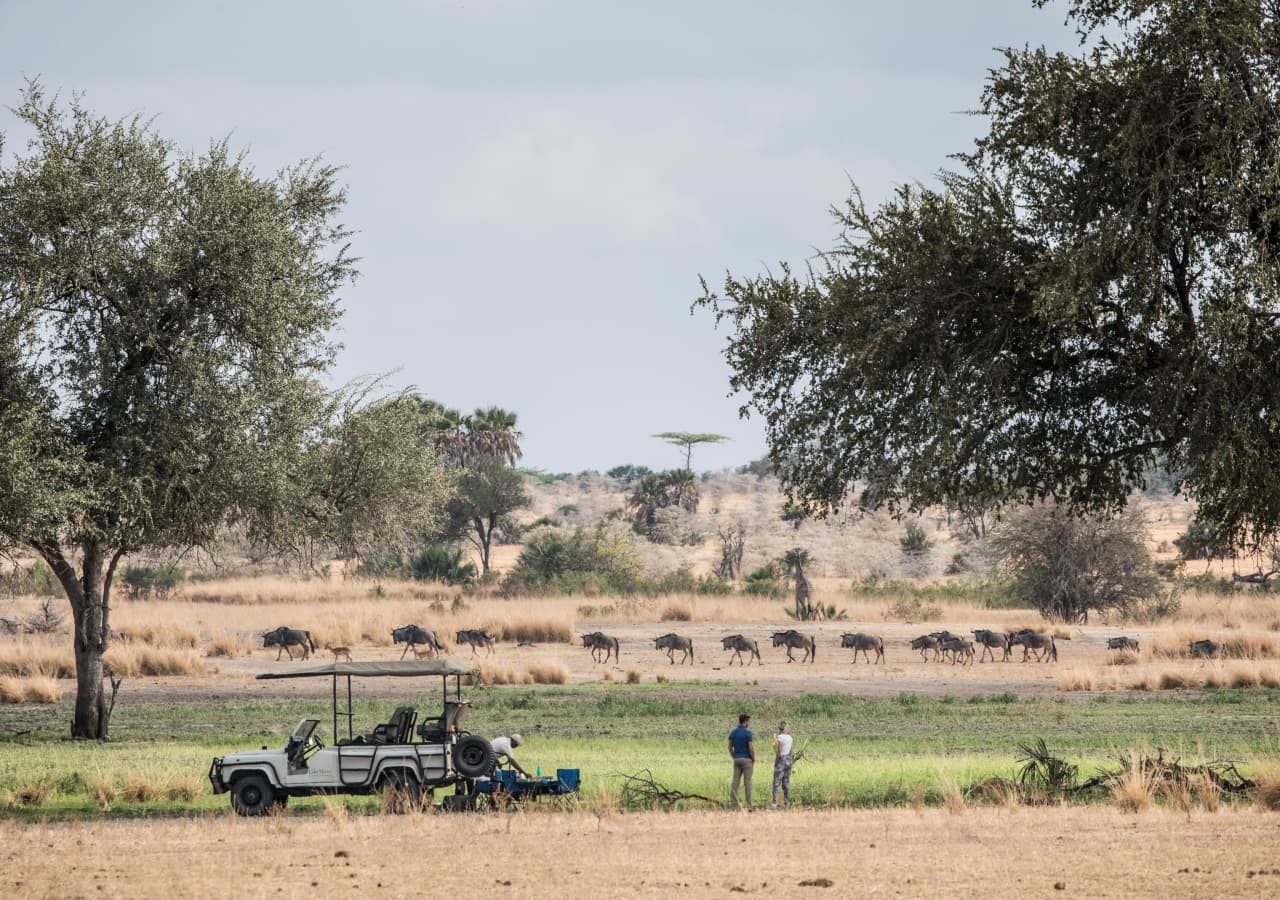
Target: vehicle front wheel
(473, 757)
(252, 795)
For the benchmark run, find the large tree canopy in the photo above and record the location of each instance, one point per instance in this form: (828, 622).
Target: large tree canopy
(1092, 292)
(163, 321)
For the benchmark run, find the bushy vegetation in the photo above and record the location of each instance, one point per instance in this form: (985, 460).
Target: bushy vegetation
(146, 582)
(443, 564)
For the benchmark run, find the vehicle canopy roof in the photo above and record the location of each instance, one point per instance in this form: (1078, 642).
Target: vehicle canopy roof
(391, 668)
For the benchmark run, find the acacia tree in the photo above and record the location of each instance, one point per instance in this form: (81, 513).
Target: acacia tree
(484, 492)
(162, 320)
(1096, 289)
(1068, 566)
(688, 440)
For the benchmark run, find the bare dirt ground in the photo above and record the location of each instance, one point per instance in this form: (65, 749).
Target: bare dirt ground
(833, 671)
(1093, 852)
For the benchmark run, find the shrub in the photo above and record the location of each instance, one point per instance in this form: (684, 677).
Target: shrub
(443, 564)
(144, 582)
(765, 582)
(913, 609)
(914, 541)
(633, 676)
(1068, 565)
(595, 560)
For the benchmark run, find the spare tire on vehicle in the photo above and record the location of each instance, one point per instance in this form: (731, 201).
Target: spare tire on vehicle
(473, 757)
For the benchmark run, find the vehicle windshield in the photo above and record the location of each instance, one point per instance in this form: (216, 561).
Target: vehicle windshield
(302, 733)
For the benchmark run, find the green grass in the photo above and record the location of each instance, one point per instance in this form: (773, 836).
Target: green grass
(857, 752)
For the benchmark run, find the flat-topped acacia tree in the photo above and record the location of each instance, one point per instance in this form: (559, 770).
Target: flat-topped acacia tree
(163, 321)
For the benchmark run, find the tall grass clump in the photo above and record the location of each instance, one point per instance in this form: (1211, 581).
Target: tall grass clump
(1266, 795)
(538, 631)
(133, 660)
(28, 659)
(1133, 789)
(548, 673)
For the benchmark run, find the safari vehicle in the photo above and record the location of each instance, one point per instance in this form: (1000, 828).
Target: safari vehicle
(401, 757)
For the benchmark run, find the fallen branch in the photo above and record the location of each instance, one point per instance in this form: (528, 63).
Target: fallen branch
(643, 791)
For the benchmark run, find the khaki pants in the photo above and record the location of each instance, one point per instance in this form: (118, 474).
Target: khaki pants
(742, 772)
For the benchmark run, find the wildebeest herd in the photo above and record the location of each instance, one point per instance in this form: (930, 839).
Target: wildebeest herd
(936, 646)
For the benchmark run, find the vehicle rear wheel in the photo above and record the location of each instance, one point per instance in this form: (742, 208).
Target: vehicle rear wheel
(252, 795)
(400, 793)
(473, 757)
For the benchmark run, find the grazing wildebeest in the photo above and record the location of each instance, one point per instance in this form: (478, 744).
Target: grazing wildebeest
(1122, 643)
(1205, 649)
(990, 640)
(476, 637)
(863, 643)
(412, 635)
(1042, 644)
(740, 645)
(597, 641)
(288, 638)
(959, 648)
(926, 642)
(794, 640)
(671, 642)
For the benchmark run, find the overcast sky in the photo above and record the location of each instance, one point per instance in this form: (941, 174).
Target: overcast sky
(536, 186)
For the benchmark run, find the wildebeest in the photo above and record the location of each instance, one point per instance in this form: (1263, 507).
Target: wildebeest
(671, 642)
(476, 637)
(925, 643)
(597, 641)
(1122, 643)
(412, 635)
(288, 638)
(1205, 649)
(863, 643)
(740, 645)
(990, 640)
(959, 648)
(794, 640)
(1042, 644)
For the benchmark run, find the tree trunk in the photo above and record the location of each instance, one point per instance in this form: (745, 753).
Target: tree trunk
(89, 595)
(484, 542)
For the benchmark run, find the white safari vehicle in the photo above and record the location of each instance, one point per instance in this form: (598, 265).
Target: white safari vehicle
(402, 757)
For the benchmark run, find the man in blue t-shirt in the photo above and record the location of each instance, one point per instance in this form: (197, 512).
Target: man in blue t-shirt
(742, 749)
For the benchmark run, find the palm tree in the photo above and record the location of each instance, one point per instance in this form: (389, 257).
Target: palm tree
(460, 439)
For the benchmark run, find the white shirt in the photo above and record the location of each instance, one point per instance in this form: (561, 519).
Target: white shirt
(784, 744)
(502, 747)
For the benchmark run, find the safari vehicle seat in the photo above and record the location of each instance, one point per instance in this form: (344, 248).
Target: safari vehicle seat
(437, 729)
(398, 729)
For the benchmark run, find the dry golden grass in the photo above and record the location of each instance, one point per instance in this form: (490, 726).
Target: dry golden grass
(37, 689)
(676, 612)
(1123, 658)
(103, 790)
(1267, 794)
(226, 647)
(162, 634)
(495, 674)
(133, 660)
(35, 792)
(1134, 790)
(538, 631)
(28, 658)
(141, 789)
(1076, 679)
(548, 673)
(633, 676)
(41, 689)
(1233, 646)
